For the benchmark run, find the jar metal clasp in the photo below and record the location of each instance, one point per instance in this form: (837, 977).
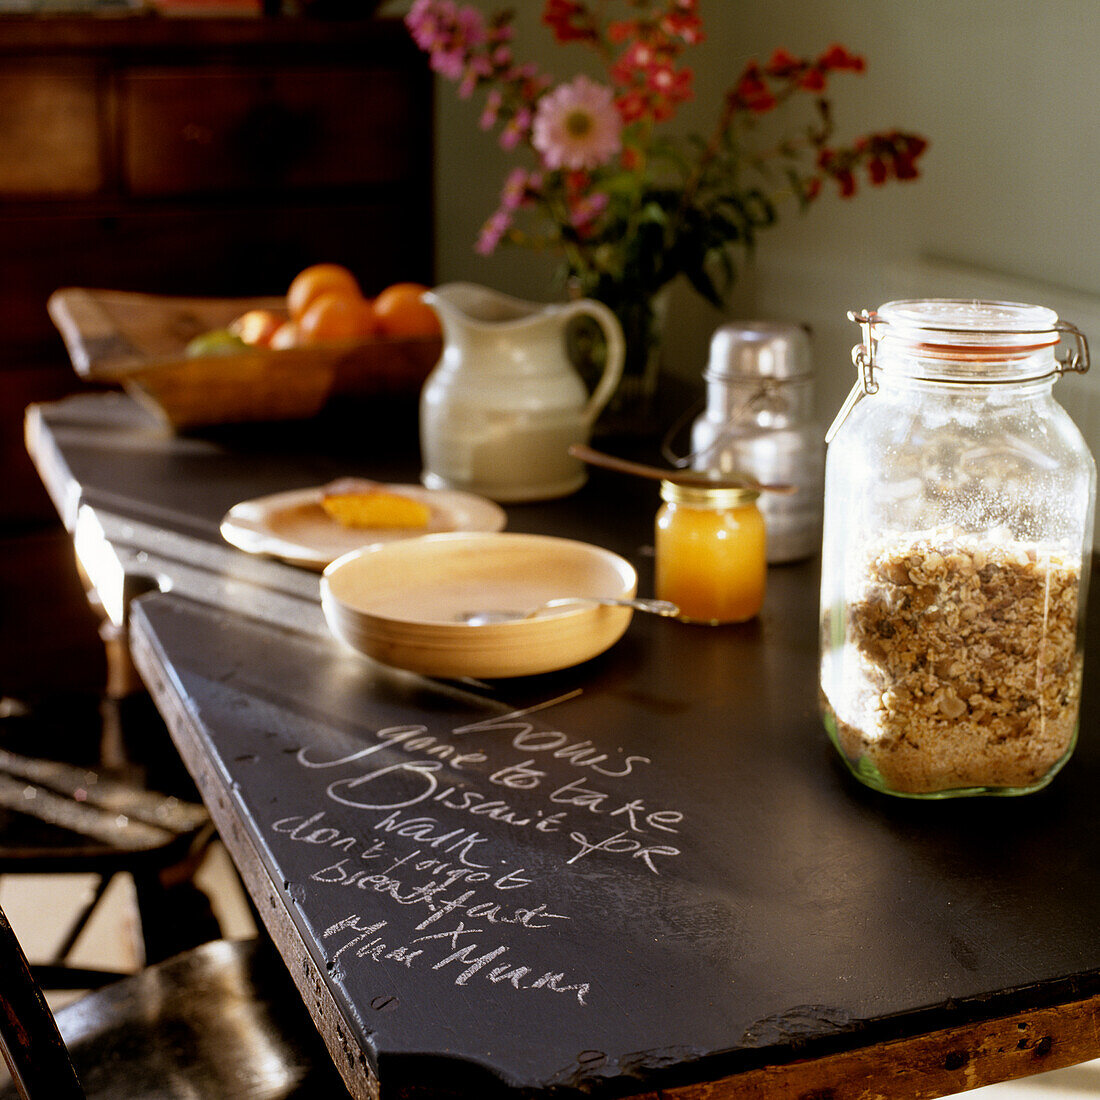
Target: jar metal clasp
(863, 356)
(1077, 360)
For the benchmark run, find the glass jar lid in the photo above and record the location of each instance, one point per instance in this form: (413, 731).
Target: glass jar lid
(965, 339)
(960, 341)
(963, 323)
(695, 495)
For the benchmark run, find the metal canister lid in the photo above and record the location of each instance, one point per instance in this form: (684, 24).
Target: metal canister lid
(758, 349)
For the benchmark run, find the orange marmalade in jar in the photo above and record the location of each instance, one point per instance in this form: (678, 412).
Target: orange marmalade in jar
(710, 552)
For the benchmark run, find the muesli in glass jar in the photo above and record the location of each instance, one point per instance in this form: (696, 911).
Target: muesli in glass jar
(959, 504)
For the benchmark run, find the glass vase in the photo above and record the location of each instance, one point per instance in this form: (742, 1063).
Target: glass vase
(642, 317)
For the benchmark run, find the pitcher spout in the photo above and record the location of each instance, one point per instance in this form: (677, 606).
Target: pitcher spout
(471, 304)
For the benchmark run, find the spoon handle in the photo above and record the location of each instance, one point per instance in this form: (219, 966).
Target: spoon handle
(657, 607)
(681, 477)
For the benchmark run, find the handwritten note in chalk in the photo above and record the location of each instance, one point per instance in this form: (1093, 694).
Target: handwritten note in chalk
(416, 818)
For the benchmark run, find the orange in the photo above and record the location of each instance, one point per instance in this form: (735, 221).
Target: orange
(401, 312)
(285, 336)
(319, 279)
(333, 316)
(256, 326)
(368, 319)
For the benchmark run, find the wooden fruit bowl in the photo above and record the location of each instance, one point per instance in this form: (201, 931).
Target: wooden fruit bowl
(139, 341)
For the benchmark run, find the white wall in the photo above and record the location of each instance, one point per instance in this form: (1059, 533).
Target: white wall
(1006, 91)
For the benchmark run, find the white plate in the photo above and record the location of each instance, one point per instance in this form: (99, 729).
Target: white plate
(399, 603)
(295, 527)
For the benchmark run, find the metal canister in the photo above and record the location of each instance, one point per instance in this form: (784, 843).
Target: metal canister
(759, 419)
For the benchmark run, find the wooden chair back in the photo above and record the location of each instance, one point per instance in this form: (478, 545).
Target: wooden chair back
(221, 1020)
(33, 1050)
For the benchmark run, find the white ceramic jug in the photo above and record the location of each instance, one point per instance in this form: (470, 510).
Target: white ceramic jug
(501, 408)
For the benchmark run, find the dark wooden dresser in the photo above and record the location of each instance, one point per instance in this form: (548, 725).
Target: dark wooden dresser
(187, 155)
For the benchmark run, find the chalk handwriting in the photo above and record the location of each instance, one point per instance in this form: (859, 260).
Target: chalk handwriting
(581, 754)
(429, 808)
(463, 961)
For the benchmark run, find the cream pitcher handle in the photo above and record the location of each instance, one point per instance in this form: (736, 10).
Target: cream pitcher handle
(616, 354)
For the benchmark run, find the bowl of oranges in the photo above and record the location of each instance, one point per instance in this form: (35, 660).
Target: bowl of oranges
(204, 361)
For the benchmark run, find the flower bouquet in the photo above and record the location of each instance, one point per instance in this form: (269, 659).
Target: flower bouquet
(624, 202)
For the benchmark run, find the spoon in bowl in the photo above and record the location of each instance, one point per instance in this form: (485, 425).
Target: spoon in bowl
(486, 617)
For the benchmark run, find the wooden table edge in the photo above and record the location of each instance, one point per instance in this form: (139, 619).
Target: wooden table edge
(941, 1063)
(329, 1019)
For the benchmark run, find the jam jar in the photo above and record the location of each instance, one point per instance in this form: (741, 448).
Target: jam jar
(710, 550)
(957, 540)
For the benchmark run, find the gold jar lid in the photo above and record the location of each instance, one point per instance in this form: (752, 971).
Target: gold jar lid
(707, 496)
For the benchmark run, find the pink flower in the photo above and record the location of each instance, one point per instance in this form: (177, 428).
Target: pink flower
(584, 211)
(515, 129)
(471, 26)
(492, 232)
(476, 71)
(517, 186)
(448, 63)
(577, 126)
(448, 33)
(493, 103)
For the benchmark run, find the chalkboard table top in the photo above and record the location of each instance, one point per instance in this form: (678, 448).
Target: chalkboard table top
(645, 873)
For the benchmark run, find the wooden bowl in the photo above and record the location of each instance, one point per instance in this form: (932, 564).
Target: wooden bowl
(139, 341)
(399, 602)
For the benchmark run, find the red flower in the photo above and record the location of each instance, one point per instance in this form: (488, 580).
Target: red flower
(570, 21)
(846, 182)
(632, 105)
(686, 26)
(784, 64)
(674, 85)
(622, 30)
(836, 57)
(637, 59)
(751, 91)
(812, 80)
(914, 144)
(894, 151)
(905, 167)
